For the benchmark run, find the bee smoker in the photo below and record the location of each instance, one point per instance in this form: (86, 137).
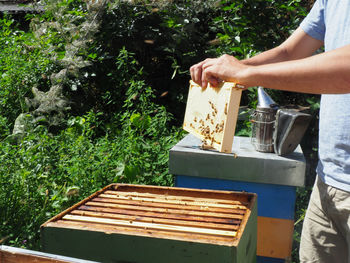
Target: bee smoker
(275, 129)
(263, 122)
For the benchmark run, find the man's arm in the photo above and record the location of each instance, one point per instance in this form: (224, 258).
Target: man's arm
(298, 45)
(287, 67)
(326, 73)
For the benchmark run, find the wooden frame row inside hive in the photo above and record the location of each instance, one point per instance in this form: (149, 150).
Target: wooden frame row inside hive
(211, 114)
(191, 215)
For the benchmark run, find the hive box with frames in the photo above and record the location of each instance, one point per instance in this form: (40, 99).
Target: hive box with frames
(211, 114)
(149, 224)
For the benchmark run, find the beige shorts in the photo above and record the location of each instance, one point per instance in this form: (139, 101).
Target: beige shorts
(325, 237)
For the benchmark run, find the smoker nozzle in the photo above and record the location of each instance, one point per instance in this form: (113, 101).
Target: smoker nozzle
(264, 100)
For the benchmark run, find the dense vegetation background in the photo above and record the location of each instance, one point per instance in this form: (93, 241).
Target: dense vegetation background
(94, 92)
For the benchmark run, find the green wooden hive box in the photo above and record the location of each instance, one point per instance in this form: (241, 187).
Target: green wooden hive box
(151, 224)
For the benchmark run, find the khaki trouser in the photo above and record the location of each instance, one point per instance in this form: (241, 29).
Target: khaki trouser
(325, 236)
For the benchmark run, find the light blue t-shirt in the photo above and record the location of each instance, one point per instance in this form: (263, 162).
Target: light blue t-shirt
(329, 21)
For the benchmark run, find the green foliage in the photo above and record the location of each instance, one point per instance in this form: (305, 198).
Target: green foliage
(22, 66)
(164, 40)
(145, 132)
(248, 27)
(300, 210)
(167, 39)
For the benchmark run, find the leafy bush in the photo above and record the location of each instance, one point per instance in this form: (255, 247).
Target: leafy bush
(166, 40)
(22, 66)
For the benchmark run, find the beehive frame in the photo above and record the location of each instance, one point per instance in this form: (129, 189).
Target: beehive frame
(211, 114)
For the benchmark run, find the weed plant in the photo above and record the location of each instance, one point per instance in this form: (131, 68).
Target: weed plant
(22, 66)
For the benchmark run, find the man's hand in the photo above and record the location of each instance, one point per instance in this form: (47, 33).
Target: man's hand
(216, 70)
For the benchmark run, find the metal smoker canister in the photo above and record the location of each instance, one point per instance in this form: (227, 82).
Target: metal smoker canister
(263, 123)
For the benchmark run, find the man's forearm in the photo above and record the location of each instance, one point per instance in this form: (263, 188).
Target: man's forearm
(299, 45)
(274, 55)
(324, 73)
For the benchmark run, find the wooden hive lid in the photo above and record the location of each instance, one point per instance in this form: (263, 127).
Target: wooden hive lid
(18, 255)
(204, 216)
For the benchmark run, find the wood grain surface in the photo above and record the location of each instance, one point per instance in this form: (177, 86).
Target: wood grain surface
(211, 114)
(216, 217)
